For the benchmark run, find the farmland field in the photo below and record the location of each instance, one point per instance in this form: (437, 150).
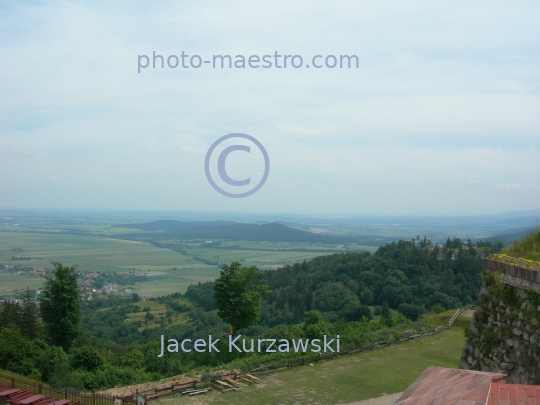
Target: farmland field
(89, 253)
(176, 270)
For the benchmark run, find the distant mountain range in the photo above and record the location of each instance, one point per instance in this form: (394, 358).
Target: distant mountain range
(211, 230)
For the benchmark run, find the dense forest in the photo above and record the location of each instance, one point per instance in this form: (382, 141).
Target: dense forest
(361, 296)
(411, 276)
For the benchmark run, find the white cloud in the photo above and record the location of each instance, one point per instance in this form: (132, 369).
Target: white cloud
(443, 107)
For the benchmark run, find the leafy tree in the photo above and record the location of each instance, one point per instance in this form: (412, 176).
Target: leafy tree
(411, 311)
(334, 297)
(10, 315)
(362, 311)
(53, 363)
(86, 358)
(385, 310)
(133, 359)
(315, 325)
(61, 306)
(237, 293)
(29, 317)
(17, 353)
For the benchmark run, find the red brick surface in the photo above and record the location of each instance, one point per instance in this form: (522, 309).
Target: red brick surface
(446, 386)
(519, 394)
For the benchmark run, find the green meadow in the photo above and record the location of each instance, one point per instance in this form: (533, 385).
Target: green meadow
(352, 378)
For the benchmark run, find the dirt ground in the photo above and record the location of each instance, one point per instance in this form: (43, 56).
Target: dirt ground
(166, 382)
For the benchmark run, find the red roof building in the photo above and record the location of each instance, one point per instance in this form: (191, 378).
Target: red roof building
(447, 386)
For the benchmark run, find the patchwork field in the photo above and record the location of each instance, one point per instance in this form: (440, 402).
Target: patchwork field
(90, 253)
(106, 254)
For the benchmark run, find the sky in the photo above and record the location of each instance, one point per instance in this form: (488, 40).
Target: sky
(441, 116)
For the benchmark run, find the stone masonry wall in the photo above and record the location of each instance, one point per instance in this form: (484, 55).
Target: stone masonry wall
(504, 336)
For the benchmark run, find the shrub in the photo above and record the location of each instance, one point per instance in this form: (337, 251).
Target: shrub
(54, 366)
(411, 311)
(86, 358)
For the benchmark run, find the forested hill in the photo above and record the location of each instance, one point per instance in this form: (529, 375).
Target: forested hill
(411, 276)
(271, 232)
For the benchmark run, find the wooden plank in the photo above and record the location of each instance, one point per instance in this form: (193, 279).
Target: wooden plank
(198, 392)
(7, 393)
(223, 383)
(19, 396)
(253, 377)
(31, 400)
(230, 380)
(246, 380)
(45, 401)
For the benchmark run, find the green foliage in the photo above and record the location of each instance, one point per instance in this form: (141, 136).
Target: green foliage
(17, 353)
(202, 294)
(411, 311)
(54, 366)
(436, 309)
(336, 298)
(10, 315)
(237, 293)
(86, 358)
(29, 317)
(315, 325)
(527, 248)
(361, 312)
(60, 306)
(134, 359)
(385, 311)
(533, 297)
(500, 290)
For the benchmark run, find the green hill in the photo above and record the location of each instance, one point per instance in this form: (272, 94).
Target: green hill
(270, 232)
(526, 248)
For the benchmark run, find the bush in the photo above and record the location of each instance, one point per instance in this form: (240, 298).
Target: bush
(436, 309)
(361, 311)
(411, 311)
(133, 359)
(86, 358)
(17, 353)
(54, 366)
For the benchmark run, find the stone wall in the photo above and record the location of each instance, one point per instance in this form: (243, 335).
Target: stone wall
(504, 336)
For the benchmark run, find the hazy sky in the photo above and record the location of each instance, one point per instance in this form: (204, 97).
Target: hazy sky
(442, 116)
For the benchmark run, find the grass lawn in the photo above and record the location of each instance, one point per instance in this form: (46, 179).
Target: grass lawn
(5, 373)
(352, 378)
